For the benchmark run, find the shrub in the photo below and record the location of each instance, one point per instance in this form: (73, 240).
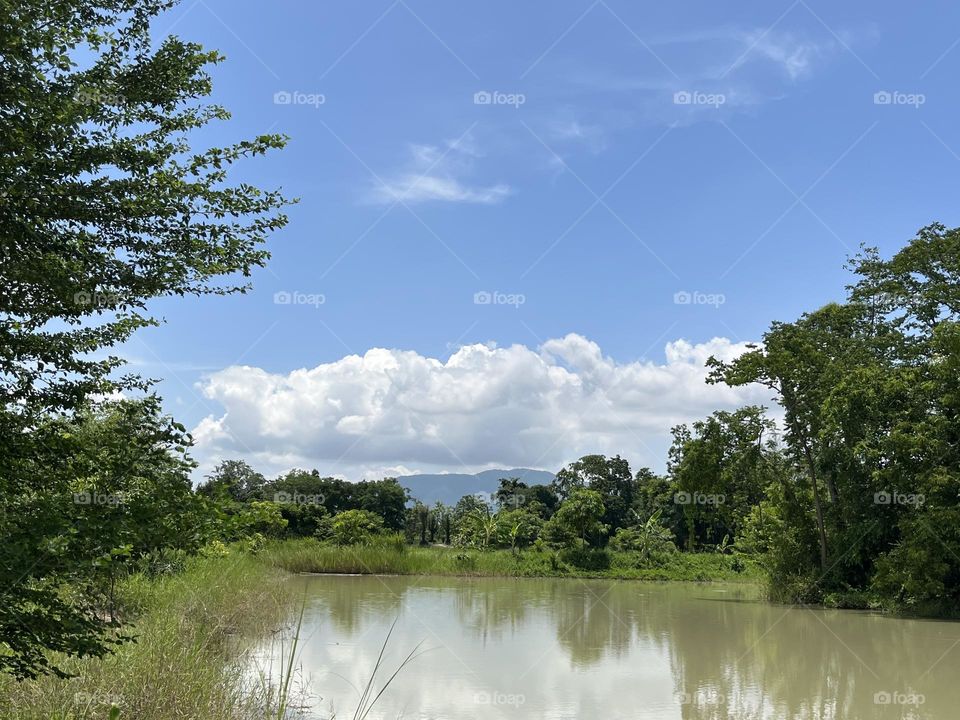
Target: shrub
(214, 549)
(465, 561)
(586, 558)
(650, 539)
(162, 561)
(354, 526)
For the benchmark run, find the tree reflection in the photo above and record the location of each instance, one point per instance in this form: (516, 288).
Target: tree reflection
(726, 654)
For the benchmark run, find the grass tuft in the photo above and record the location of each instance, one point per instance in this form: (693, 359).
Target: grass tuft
(189, 660)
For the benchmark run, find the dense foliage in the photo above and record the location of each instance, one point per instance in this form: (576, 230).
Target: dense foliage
(869, 500)
(104, 207)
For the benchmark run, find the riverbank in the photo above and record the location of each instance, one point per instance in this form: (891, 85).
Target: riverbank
(192, 629)
(311, 556)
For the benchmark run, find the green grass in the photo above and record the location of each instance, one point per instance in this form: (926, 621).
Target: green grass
(311, 556)
(189, 659)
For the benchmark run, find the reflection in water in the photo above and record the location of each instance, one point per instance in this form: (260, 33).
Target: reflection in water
(506, 648)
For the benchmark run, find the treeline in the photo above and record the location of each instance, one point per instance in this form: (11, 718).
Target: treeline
(866, 500)
(852, 497)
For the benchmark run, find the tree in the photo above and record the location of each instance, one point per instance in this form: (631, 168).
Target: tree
(654, 493)
(105, 206)
(542, 500)
(119, 490)
(512, 493)
(721, 467)
(439, 517)
(569, 479)
(520, 528)
(479, 527)
(648, 538)
(872, 421)
(354, 526)
(580, 513)
(801, 362)
(610, 477)
(387, 498)
(422, 514)
(468, 505)
(240, 481)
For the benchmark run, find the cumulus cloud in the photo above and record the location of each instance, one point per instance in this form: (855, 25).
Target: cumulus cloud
(396, 411)
(436, 173)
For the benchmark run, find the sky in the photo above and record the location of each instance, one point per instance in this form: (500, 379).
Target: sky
(523, 227)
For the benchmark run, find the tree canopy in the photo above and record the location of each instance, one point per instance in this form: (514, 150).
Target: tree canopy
(106, 205)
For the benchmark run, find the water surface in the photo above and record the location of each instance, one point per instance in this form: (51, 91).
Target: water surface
(564, 648)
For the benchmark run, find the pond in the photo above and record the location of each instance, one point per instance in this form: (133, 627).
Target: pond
(566, 648)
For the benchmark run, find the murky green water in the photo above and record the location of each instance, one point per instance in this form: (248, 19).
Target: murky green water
(505, 648)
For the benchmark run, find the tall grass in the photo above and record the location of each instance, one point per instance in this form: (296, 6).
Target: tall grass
(367, 698)
(189, 660)
(311, 556)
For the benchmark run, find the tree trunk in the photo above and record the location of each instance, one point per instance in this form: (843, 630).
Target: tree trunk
(818, 505)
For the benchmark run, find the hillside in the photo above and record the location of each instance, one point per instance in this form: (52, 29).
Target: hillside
(450, 487)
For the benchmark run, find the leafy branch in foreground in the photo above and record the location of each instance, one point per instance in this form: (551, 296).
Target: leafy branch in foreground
(105, 206)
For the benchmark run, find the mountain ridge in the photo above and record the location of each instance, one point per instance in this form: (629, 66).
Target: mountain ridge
(428, 488)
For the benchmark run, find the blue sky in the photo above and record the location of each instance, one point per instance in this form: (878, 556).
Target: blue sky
(736, 153)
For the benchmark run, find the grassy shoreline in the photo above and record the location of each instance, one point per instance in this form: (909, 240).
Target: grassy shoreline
(193, 632)
(311, 556)
(195, 629)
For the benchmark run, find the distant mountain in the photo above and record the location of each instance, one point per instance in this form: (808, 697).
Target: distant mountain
(451, 487)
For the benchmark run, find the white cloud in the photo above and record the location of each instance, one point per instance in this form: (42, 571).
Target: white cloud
(435, 173)
(574, 131)
(793, 55)
(733, 69)
(483, 407)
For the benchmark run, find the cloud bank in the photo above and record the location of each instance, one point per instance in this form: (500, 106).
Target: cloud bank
(396, 411)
